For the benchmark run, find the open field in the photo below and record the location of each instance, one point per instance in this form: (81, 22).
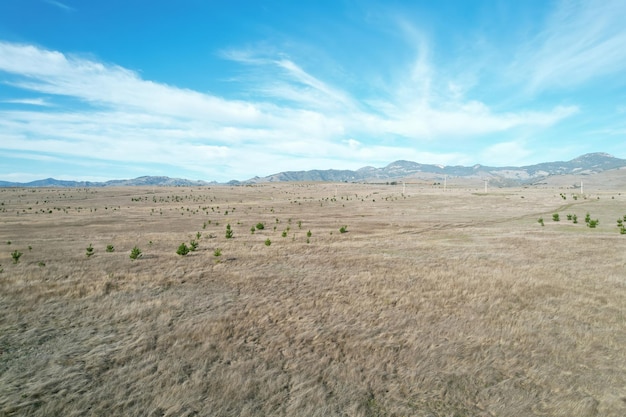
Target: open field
(434, 303)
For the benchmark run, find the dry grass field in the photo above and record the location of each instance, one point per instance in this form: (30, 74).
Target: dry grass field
(434, 303)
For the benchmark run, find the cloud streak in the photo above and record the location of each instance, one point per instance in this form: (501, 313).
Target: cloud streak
(145, 122)
(582, 41)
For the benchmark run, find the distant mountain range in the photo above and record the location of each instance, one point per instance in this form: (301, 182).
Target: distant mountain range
(140, 181)
(588, 164)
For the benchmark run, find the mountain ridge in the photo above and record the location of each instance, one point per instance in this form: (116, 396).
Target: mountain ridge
(586, 164)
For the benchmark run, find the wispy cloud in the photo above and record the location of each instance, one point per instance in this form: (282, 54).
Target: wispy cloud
(60, 5)
(28, 101)
(318, 124)
(581, 41)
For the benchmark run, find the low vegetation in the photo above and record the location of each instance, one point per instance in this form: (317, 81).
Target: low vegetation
(434, 304)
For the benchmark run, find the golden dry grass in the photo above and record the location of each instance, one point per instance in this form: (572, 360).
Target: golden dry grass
(433, 303)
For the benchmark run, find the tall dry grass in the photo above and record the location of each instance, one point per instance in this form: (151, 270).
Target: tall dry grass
(433, 304)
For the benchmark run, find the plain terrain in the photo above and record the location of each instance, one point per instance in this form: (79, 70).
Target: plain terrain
(433, 303)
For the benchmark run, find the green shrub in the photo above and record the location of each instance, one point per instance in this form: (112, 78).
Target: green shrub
(229, 232)
(309, 234)
(16, 256)
(343, 229)
(252, 229)
(540, 221)
(593, 223)
(569, 217)
(284, 234)
(260, 226)
(574, 219)
(110, 248)
(193, 245)
(587, 218)
(135, 253)
(555, 217)
(217, 252)
(89, 250)
(182, 249)
(268, 242)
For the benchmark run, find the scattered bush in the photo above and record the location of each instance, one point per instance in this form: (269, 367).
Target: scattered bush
(110, 248)
(182, 249)
(593, 223)
(229, 232)
(540, 221)
(193, 245)
(555, 217)
(135, 253)
(260, 226)
(16, 256)
(268, 242)
(284, 234)
(217, 252)
(89, 250)
(574, 219)
(309, 234)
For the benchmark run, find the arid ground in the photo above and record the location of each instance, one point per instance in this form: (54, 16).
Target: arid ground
(432, 303)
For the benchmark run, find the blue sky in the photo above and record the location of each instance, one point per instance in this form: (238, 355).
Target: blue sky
(221, 90)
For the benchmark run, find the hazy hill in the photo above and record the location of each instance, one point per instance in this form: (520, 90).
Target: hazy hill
(585, 165)
(588, 164)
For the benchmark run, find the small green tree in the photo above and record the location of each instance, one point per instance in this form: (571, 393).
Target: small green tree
(309, 234)
(574, 219)
(268, 242)
(343, 229)
(540, 221)
(135, 253)
(193, 245)
(260, 226)
(284, 234)
(555, 217)
(229, 232)
(16, 256)
(110, 248)
(182, 249)
(217, 252)
(89, 250)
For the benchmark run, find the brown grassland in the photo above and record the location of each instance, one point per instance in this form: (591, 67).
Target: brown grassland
(455, 303)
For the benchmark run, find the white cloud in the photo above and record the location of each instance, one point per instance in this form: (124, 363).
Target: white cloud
(582, 40)
(124, 118)
(60, 5)
(29, 101)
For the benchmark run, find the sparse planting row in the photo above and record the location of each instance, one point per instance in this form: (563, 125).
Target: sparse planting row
(591, 223)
